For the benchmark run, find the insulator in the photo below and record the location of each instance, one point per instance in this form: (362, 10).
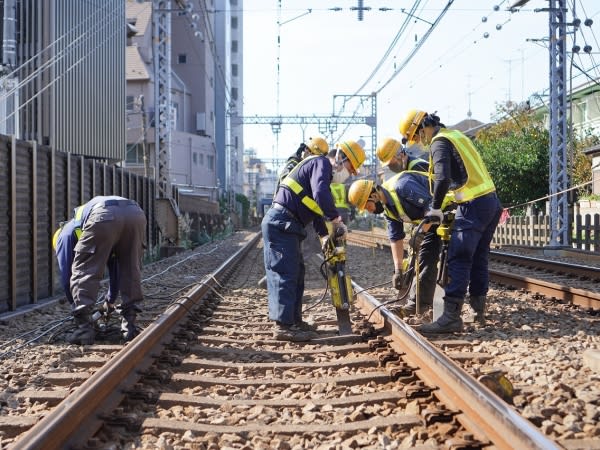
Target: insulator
(576, 49)
(588, 22)
(484, 19)
(587, 48)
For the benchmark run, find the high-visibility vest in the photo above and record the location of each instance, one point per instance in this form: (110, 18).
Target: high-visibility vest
(478, 181)
(339, 195)
(414, 162)
(390, 187)
(77, 219)
(291, 182)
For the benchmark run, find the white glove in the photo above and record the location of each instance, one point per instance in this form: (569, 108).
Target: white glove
(435, 215)
(324, 243)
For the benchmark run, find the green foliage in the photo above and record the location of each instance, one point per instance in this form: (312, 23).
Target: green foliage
(515, 151)
(243, 200)
(581, 164)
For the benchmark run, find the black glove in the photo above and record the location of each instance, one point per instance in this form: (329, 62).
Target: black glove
(434, 215)
(301, 150)
(416, 240)
(340, 230)
(397, 279)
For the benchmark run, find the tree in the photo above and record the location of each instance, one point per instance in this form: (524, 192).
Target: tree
(581, 164)
(515, 151)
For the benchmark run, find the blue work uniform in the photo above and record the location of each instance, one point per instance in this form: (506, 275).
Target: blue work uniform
(476, 218)
(105, 233)
(412, 191)
(283, 230)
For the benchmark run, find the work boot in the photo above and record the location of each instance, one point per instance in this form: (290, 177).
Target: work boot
(306, 326)
(85, 333)
(477, 303)
(449, 321)
(293, 333)
(128, 328)
(410, 309)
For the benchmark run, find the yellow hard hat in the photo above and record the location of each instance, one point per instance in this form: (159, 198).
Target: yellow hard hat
(318, 146)
(353, 152)
(55, 237)
(410, 123)
(387, 150)
(359, 193)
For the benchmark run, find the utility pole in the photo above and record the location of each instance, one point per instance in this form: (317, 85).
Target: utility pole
(559, 180)
(144, 142)
(161, 23)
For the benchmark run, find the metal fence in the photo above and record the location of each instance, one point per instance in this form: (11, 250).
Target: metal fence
(39, 188)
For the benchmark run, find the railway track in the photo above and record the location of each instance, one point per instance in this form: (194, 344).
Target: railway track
(219, 378)
(556, 279)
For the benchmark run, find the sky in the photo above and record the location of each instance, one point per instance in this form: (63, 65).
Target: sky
(477, 55)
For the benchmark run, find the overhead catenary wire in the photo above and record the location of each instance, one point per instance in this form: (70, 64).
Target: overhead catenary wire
(74, 44)
(59, 76)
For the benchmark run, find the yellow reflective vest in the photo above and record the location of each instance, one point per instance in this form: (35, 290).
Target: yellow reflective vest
(390, 186)
(339, 195)
(478, 181)
(291, 182)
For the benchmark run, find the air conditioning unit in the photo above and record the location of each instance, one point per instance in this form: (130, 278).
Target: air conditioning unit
(201, 123)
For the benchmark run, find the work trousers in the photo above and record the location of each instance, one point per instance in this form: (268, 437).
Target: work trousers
(284, 265)
(468, 253)
(429, 255)
(114, 227)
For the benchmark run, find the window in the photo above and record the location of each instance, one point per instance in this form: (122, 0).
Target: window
(234, 46)
(234, 22)
(195, 158)
(234, 93)
(234, 70)
(233, 2)
(130, 102)
(182, 58)
(135, 154)
(201, 159)
(211, 162)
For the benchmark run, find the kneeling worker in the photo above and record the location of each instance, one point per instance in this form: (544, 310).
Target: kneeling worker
(405, 197)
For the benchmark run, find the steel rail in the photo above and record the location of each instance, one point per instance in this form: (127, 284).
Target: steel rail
(481, 410)
(76, 418)
(580, 297)
(579, 270)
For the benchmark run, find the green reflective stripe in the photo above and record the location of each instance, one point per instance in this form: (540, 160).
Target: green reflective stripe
(291, 182)
(414, 162)
(79, 212)
(78, 216)
(351, 151)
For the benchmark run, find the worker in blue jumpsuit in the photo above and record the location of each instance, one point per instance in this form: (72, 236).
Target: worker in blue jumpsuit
(405, 197)
(106, 232)
(303, 198)
(456, 166)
